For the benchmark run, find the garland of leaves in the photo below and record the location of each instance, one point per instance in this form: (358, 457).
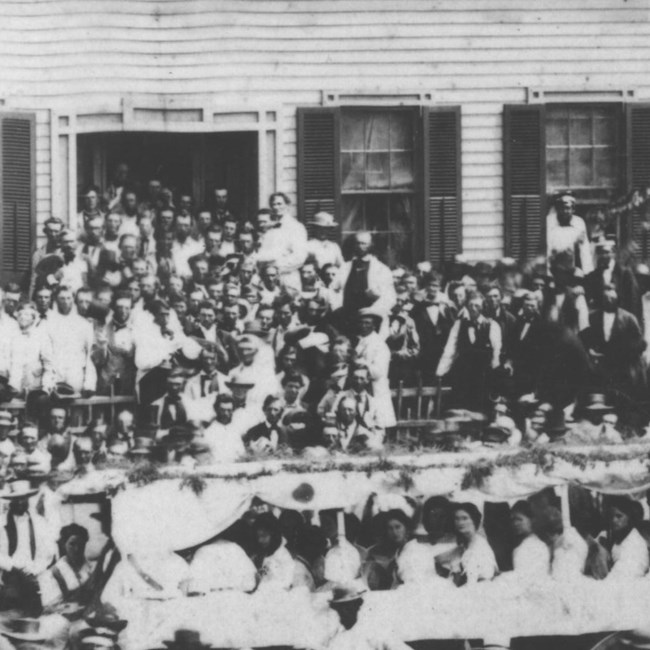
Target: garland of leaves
(405, 466)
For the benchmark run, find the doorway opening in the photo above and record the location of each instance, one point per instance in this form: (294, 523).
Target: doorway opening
(186, 163)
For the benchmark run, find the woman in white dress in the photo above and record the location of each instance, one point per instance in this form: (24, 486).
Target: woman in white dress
(628, 550)
(275, 566)
(531, 557)
(473, 559)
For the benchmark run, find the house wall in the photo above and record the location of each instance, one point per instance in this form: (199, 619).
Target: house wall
(61, 54)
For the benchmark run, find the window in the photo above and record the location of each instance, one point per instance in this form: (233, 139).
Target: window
(598, 151)
(378, 179)
(582, 150)
(392, 170)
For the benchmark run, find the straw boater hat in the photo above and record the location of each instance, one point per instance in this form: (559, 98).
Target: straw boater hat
(346, 594)
(18, 490)
(7, 419)
(24, 629)
(323, 220)
(236, 381)
(597, 403)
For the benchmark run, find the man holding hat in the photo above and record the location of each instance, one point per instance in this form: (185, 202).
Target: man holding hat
(321, 248)
(566, 231)
(27, 548)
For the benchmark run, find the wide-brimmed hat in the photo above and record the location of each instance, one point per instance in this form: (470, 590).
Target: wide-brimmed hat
(7, 419)
(371, 312)
(49, 264)
(106, 616)
(96, 641)
(142, 446)
(236, 381)
(323, 220)
(18, 490)
(23, 629)
(187, 640)
(346, 594)
(63, 391)
(597, 403)
(495, 434)
(254, 328)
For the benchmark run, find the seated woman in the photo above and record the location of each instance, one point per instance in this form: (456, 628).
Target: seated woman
(309, 558)
(67, 580)
(629, 553)
(531, 557)
(381, 562)
(437, 515)
(275, 566)
(473, 559)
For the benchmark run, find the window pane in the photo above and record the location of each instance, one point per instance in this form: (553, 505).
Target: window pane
(580, 168)
(400, 249)
(605, 162)
(401, 171)
(557, 168)
(557, 132)
(377, 171)
(401, 131)
(377, 131)
(352, 131)
(580, 130)
(605, 131)
(352, 171)
(353, 215)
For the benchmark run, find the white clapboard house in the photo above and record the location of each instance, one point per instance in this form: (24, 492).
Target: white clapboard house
(443, 125)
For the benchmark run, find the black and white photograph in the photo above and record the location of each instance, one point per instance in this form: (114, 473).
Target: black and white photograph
(324, 325)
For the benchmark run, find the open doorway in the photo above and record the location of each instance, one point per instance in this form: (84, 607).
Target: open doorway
(187, 163)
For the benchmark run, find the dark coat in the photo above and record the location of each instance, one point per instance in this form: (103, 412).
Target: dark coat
(629, 296)
(432, 337)
(621, 367)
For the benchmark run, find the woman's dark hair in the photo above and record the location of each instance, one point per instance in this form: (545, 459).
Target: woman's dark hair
(268, 521)
(401, 516)
(471, 510)
(71, 530)
(523, 508)
(310, 543)
(632, 509)
(284, 197)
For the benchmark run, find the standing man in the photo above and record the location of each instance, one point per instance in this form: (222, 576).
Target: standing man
(364, 282)
(184, 247)
(320, 247)
(52, 230)
(286, 244)
(221, 208)
(72, 342)
(567, 232)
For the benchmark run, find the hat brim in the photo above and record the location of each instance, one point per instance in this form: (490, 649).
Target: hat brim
(238, 384)
(20, 495)
(599, 407)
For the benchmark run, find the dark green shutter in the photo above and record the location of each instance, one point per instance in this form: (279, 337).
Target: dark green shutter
(524, 177)
(318, 163)
(442, 184)
(638, 171)
(17, 196)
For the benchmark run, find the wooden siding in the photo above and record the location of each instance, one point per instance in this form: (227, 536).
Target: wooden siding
(480, 54)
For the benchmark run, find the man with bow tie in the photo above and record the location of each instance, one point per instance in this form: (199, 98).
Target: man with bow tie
(528, 347)
(433, 318)
(172, 408)
(472, 353)
(269, 434)
(615, 344)
(364, 281)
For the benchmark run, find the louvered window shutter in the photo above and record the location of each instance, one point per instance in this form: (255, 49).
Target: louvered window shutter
(319, 186)
(524, 155)
(17, 196)
(638, 170)
(442, 184)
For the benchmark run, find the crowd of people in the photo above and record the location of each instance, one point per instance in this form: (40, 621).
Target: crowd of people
(239, 339)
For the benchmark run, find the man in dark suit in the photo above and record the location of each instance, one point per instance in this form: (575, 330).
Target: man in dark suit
(269, 434)
(609, 271)
(497, 312)
(433, 318)
(615, 344)
(211, 336)
(526, 348)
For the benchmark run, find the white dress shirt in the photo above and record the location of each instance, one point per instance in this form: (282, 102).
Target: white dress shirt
(608, 324)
